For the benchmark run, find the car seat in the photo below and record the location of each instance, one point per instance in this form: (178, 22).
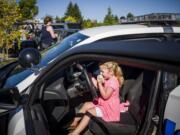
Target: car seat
(125, 89)
(130, 120)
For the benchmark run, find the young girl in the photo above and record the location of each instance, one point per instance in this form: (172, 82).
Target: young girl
(107, 105)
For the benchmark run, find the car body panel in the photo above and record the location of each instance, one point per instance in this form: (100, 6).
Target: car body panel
(172, 109)
(117, 30)
(26, 82)
(105, 29)
(147, 50)
(109, 31)
(16, 125)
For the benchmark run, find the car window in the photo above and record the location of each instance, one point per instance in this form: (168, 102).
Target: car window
(74, 26)
(58, 26)
(48, 56)
(67, 43)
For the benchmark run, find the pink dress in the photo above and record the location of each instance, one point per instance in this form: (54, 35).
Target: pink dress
(110, 108)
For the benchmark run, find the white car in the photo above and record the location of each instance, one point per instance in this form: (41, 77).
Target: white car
(104, 33)
(44, 95)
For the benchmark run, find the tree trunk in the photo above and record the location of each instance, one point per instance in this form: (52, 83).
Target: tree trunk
(7, 55)
(3, 50)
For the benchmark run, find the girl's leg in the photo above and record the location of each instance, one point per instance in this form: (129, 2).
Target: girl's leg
(84, 108)
(84, 122)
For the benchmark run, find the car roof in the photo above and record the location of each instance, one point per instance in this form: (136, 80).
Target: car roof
(160, 51)
(104, 29)
(115, 28)
(98, 33)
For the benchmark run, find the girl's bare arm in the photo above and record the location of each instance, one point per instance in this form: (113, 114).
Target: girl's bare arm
(105, 92)
(50, 29)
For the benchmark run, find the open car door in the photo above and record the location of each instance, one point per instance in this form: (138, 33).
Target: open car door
(11, 112)
(17, 118)
(39, 122)
(5, 71)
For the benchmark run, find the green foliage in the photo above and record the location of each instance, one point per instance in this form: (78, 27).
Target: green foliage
(130, 15)
(89, 23)
(70, 19)
(122, 17)
(57, 19)
(77, 13)
(28, 9)
(73, 11)
(178, 23)
(110, 19)
(9, 14)
(116, 19)
(70, 10)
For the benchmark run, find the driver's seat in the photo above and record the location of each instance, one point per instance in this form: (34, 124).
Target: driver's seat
(130, 120)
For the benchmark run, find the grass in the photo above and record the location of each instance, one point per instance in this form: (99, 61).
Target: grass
(43, 52)
(4, 62)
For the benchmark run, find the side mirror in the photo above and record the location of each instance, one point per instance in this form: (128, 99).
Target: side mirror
(29, 57)
(9, 98)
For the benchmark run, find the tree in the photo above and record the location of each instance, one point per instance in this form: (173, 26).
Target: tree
(110, 19)
(130, 15)
(70, 19)
(122, 18)
(116, 19)
(28, 9)
(77, 13)
(87, 24)
(57, 19)
(69, 10)
(9, 14)
(73, 11)
(91, 23)
(178, 22)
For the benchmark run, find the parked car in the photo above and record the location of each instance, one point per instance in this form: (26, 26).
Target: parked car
(45, 95)
(65, 29)
(28, 44)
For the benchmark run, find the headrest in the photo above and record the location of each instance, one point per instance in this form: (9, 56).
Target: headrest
(135, 90)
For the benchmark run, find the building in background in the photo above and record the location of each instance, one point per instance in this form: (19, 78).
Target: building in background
(153, 18)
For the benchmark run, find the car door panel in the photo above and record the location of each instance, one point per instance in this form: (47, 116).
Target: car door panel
(55, 102)
(39, 120)
(16, 124)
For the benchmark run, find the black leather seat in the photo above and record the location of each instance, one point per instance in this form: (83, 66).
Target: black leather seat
(130, 120)
(125, 89)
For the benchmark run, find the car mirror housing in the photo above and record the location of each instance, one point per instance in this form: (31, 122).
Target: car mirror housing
(10, 97)
(29, 57)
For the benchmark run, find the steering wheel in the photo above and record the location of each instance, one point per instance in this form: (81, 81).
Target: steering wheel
(90, 84)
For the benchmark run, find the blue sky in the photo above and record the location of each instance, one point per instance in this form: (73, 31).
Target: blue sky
(97, 9)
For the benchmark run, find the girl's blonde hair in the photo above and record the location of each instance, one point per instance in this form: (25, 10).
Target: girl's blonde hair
(116, 69)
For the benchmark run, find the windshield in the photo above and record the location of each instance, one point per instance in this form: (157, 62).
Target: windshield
(48, 56)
